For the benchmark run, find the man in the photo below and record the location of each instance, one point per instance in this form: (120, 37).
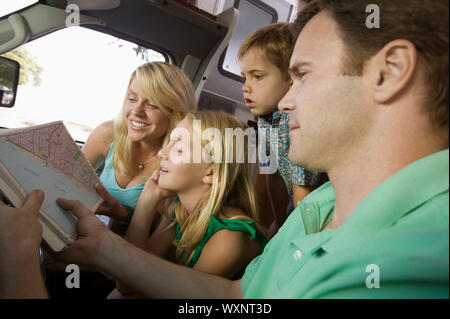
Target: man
(374, 116)
(369, 107)
(20, 236)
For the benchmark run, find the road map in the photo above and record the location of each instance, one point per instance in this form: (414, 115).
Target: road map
(46, 157)
(54, 145)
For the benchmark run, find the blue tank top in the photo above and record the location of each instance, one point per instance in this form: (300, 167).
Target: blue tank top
(125, 196)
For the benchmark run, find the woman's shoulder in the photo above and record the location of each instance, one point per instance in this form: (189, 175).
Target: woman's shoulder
(107, 129)
(98, 141)
(103, 133)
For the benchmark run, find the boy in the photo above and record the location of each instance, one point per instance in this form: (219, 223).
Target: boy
(264, 60)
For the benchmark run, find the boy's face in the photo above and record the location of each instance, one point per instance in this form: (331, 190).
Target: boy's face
(264, 85)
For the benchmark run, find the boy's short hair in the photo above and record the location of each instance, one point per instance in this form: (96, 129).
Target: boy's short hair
(275, 40)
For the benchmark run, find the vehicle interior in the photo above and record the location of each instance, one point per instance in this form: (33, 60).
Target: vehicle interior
(201, 37)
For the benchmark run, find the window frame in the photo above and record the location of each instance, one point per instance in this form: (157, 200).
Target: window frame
(165, 53)
(263, 6)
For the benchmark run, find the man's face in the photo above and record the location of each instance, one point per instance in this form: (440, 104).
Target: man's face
(327, 111)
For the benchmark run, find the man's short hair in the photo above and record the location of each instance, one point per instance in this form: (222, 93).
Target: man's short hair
(276, 42)
(423, 22)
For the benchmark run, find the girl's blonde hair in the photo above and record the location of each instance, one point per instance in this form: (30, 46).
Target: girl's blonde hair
(232, 185)
(170, 90)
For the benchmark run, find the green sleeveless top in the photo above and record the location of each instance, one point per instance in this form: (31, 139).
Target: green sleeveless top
(218, 224)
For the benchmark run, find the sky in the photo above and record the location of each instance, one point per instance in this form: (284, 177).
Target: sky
(84, 79)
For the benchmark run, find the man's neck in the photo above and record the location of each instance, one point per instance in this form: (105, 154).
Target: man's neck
(354, 180)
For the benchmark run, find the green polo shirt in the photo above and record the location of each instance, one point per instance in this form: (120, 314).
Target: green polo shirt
(394, 245)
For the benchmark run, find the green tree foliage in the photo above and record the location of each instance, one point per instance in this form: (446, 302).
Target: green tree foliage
(142, 52)
(139, 50)
(29, 69)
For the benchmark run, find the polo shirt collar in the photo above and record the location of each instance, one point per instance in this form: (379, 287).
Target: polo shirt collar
(394, 198)
(315, 211)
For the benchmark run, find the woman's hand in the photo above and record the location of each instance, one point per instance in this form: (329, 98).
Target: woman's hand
(110, 206)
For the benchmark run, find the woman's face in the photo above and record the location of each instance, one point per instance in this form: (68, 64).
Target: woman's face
(145, 121)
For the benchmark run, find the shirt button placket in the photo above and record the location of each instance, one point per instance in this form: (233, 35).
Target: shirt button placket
(297, 255)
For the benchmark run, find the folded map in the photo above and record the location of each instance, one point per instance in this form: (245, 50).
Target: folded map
(46, 157)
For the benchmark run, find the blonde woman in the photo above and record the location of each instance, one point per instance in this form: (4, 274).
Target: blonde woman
(214, 227)
(158, 97)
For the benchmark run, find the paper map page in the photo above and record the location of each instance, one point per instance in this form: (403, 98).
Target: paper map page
(46, 157)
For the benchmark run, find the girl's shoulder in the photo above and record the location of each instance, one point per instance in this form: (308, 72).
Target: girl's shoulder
(231, 212)
(232, 219)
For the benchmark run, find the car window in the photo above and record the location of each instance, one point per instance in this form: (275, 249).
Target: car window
(76, 75)
(10, 6)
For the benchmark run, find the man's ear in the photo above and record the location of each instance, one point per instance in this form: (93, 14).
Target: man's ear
(209, 177)
(394, 68)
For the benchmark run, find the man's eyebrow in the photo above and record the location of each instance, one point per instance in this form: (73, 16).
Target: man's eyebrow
(297, 65)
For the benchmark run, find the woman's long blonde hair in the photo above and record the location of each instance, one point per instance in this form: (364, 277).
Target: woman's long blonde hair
(170, 90)
(232, 185)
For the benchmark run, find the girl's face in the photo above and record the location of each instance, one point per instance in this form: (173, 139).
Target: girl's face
(145, 121)
(179, 173)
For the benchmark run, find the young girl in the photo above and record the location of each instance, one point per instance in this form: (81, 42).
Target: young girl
(213, 227)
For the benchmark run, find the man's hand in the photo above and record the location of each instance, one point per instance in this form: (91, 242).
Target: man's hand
(19, 227)
(91, 232)
(20, 237)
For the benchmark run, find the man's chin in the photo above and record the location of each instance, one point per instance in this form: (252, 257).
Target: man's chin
(298, 159)
(294, 158)
(305, 162)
